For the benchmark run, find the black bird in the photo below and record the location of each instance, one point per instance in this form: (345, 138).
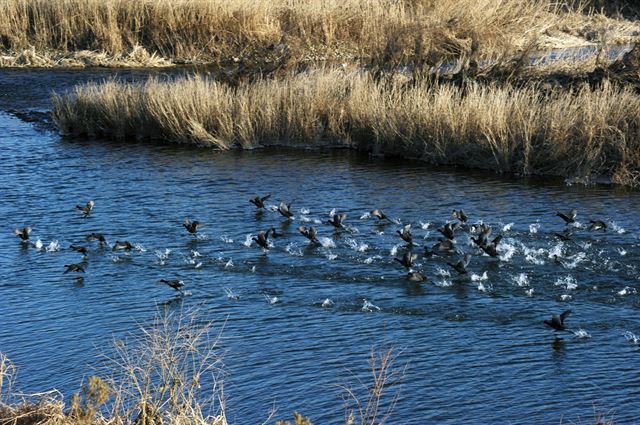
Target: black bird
(405, 234)
(336, 220)
(565, 235)
(461, 266)
(449, 229)
(460, 215)
(285, 209)
(483, 236)
(597, 225)
(310, 233)
(258, 201)
(97, 237)
(192, 226)
(81, 249)
(379, 214)
(77, 267)
(569, 217)
(23, 233)
(492, 248)
(557, 322)
(415, 276)
(86, 210)
(443, 245)
(176, 284)
(407, 259)
(126, 245)
(275, 234)
(262, 239)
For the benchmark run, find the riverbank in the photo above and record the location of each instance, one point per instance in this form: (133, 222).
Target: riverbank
(81, 33)
(531, 129)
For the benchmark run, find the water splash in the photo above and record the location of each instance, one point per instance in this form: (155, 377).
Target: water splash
(566, 297)
(38, 245)
(332, 213)
(394, 250)
(370, 260)
(327, 303)
(139, 247)
(425, 226)
(226, 239)
(330, 256)
(202, 237)
(616, 228)
(369, 307)
(443, 283)
(529, 292)
(507, 227)
(271, 300)
(557, 251)
(631, 337)
(622, 252)
(582, 334)
(304, 211)
(521, 280)
(293, 249)
(569, 282)
(195, 254)
(248, 241)
(627, 290)
(53, 246)
(357, 246)
(231, 294)
(574, 260)
(506, 250)
(162, 256)
(443, 272)
(365, 216)
(533, 228)
(198, 265)
(484, 288)
(533, 255)
(326, 242)
(479, 278)
(228, 263)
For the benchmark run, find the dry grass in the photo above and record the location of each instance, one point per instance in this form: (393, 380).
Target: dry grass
(526, 130)
(281, 31)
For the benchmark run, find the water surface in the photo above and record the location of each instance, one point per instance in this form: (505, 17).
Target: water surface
(475, 345)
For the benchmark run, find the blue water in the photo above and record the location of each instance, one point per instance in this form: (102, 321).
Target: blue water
(476, 349)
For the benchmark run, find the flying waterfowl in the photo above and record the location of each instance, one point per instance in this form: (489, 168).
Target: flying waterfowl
(461, 266)
(262, 239)
(192, 226)
(405, 234)
(379, 214)
(76, 267)
(415, 276)
(443, 245)
(97, 237)
(336, 220)
(557, 322)
(597, 225)
(492, 248)
(81, 249)
(176, 284)
(86, 210)
(565, 235)
(259, 201)
(483, 236)
(407, 259)
(310, 233)
(449, 229)
(460, 216)
(285, 209)
(126, 245)
(569, 217)
(23, 233)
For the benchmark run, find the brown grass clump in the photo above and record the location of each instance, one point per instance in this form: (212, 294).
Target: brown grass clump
(524, 130)
(281, 31)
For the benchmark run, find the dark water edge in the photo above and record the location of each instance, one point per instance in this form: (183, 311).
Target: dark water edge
(477, 350)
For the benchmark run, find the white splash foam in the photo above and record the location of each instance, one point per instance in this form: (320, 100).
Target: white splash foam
(582, 334)
(53, 246)
(38, 245)
(253, 269)
(327, 303)
(394, 250)
(271, 300)
(357, 246)
(248, 241)
(622, 251)
(574, 260)
(229, 263)
(484, 288)
(425, 226)
(331, 256)
(533, 255)
(616, 228)
(507, 227)
(479, 278)
(569, 282)
(443, 272)
(304, 211)
(533, 228)
(139, 247)
(529, 292)
(521, 280)
(195, 254)
(370, 260)
(293, 249)
(365, 216)
(369, 307)
(332, 213)
(566, 297)
(631, 337)
(226, 239)
(627, 290)
(443, 283)
(326, 242)
(557, 250)
(507, 251)
(202, 237)
(231, 295)
(198, 265)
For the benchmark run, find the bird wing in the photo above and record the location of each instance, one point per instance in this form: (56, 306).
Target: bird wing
(564, 315)
(497, 240)
(264, 198)
(465, 261)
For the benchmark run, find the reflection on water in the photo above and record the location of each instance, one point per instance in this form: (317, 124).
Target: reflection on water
(299, 315)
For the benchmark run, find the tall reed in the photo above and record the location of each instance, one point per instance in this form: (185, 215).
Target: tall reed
(526, 131)
(383, 31)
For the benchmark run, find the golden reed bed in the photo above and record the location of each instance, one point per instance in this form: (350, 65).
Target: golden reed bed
(583, 132)
(160, 32)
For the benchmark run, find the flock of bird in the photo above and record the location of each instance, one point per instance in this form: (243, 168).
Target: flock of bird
(445, 247)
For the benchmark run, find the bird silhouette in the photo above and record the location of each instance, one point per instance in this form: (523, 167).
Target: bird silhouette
(569, 217)
(461, 265)
(597, 225)
(23, 233)
(76, 267)
(449, 229)
(126, 245)
(379, 214)
(336, 220)
(97, 237)
(310, 233)
(259, 201)
(192, 226)
(262, 239)
(405, 234)
(415, 276)
(460, 216)
(176, 284)
(557, 322)
(81, 249)
(285, 209)
(86, 210)
(407, 259)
